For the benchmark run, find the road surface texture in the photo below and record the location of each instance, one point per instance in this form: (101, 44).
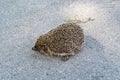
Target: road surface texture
(23, 21)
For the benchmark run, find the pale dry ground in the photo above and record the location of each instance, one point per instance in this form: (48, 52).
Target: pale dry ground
(23, 21)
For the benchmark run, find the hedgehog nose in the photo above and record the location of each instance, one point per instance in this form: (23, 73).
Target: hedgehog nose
(33, 48)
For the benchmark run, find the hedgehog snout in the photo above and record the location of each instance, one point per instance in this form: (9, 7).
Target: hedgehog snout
(33, 48)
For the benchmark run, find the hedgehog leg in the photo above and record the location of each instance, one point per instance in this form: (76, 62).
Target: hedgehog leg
(65, 58)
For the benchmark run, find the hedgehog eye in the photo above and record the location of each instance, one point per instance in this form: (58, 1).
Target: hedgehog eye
(35, 46)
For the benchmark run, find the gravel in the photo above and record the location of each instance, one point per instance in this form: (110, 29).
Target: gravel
(23, 21)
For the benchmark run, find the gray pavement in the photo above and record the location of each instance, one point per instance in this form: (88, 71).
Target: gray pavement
(23, 21)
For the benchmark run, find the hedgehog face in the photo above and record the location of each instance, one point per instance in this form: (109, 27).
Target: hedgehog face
(40, 45)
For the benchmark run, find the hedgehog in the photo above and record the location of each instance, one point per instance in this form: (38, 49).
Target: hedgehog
(64, 41)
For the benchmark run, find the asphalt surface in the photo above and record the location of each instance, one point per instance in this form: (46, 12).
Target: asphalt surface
(23, 21)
